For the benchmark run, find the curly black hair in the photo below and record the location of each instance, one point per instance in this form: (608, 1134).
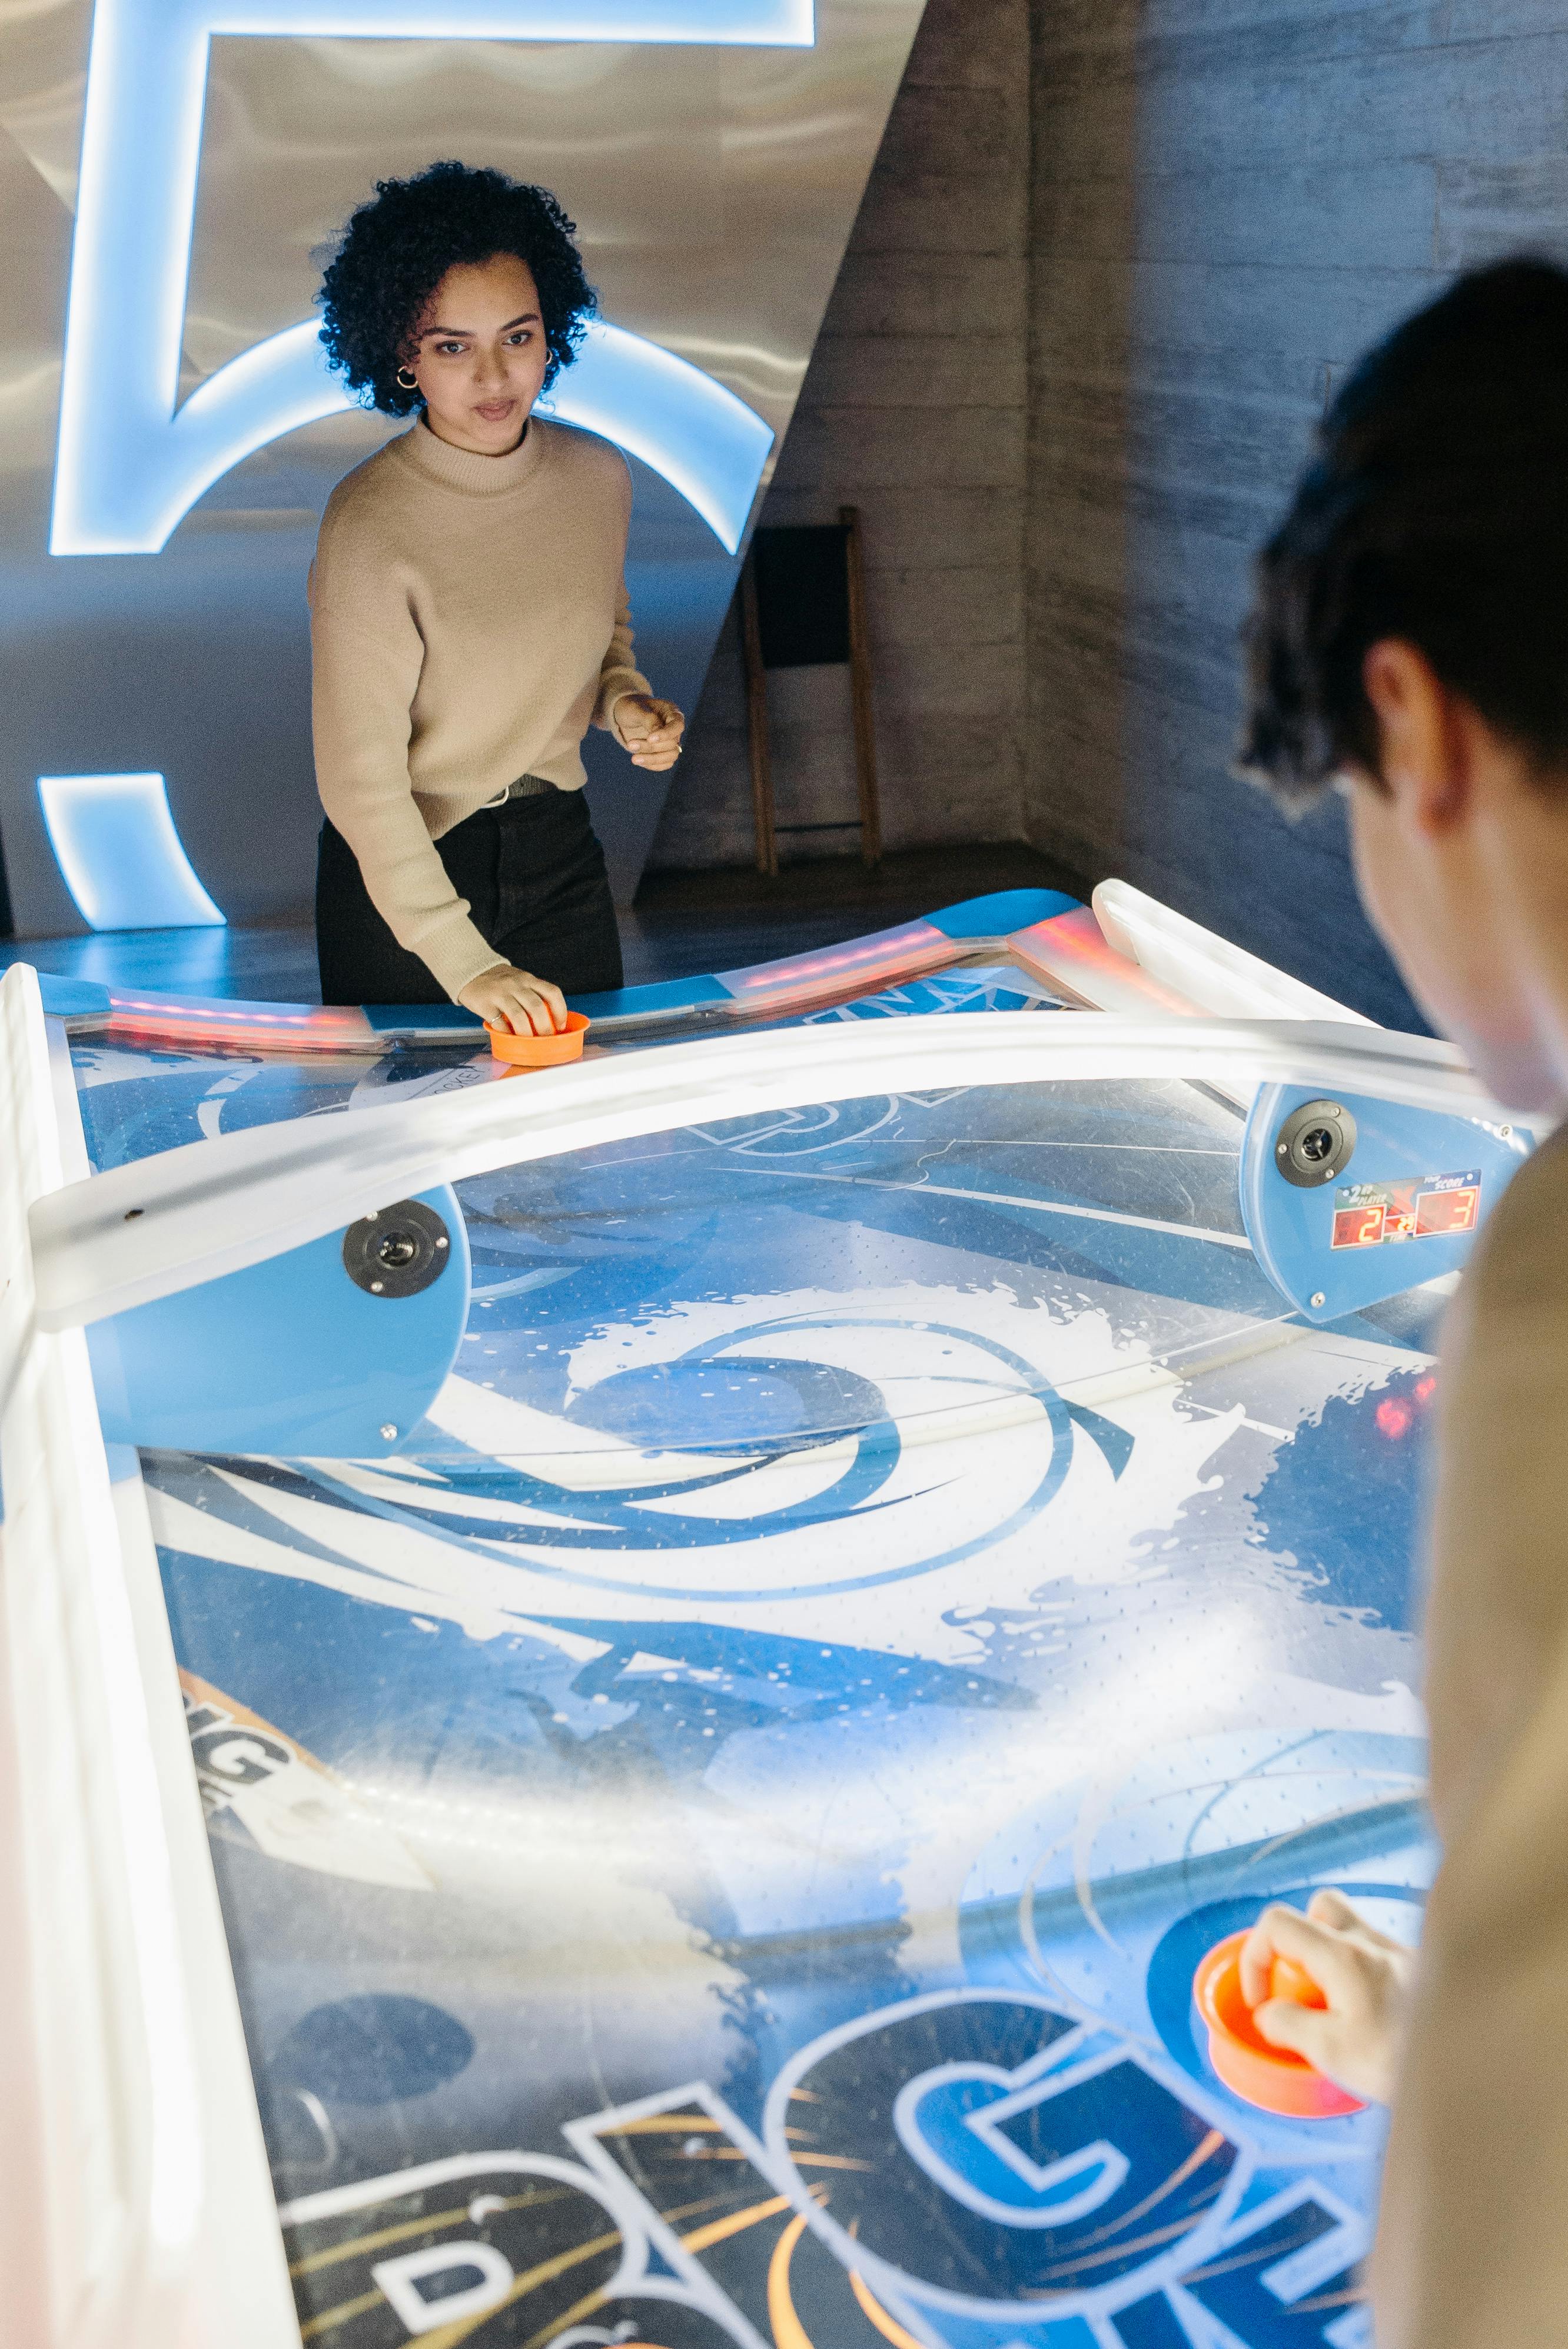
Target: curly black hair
(1434, 509)
(396, 249)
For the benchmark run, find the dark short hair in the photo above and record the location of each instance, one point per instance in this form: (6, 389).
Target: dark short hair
(1434, 509)
(396, 249)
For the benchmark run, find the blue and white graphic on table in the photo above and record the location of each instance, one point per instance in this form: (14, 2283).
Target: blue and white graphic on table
(716, 1831)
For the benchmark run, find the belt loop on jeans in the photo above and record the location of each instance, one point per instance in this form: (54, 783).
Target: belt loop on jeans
(526, 787)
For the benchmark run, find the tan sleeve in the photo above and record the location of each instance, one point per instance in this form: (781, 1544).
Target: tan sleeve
(1473, 2250)
(366, 655)
(619, 673)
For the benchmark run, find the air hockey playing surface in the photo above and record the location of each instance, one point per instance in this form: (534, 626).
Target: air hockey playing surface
(729, 1707)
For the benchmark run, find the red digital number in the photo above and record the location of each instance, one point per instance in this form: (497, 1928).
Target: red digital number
(1445, 1211)
(1357, 1227)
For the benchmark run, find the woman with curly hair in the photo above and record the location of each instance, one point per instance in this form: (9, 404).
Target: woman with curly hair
(469, 617)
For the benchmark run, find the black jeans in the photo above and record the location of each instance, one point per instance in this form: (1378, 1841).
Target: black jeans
(533, 875)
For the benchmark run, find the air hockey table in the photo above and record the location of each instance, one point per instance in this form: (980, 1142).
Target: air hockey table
(631, 1693)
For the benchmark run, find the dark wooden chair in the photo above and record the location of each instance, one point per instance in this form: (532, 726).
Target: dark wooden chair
(803, 606)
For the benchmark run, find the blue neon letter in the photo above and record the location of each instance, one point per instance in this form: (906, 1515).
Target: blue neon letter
(123, 861)
(129, 465)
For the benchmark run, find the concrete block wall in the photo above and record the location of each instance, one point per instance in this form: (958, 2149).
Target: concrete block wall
(1114, 256)
(914, 409)
(1231, 199)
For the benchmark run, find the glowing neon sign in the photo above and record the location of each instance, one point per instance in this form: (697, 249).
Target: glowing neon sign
(129, 463)
(123, 861)
(707, 444)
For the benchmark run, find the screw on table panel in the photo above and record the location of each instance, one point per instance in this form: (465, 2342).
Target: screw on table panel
(1318, 1298)
(389, 1434)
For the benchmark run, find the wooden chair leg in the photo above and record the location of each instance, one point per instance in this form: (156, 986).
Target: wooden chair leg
(757, 724)
(860, 690)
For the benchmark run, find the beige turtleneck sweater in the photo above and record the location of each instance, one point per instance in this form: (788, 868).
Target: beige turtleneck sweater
(468, 621)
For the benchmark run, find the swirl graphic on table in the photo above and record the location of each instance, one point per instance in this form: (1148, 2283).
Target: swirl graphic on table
(742, 1439)
(782, 1409)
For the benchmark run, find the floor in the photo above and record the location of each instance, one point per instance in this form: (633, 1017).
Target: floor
(681, 923)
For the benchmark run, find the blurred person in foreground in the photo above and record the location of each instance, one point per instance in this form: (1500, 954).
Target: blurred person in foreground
(1408, 647)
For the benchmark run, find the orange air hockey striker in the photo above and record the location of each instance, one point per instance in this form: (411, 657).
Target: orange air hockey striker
(1275, 2078)
(540, 1051)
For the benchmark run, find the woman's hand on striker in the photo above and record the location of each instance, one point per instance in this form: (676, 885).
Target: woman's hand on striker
(650, 729)
(1364, 1976)
(515, 1001)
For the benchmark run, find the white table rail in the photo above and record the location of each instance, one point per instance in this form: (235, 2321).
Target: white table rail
(135, 2207)
(166, 1223)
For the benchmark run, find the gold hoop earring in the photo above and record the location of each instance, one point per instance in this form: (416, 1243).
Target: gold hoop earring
(408, 381)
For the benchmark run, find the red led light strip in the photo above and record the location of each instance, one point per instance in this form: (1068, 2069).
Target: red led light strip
(886, 953)
(193, 1020)
(1073, 949)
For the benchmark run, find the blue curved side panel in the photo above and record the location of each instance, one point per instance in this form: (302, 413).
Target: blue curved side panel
(1366, 1235)
(288, 1357)
(994, 916)
(422, 1019)
(72, 998)
(998, 916)
(661, 995)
